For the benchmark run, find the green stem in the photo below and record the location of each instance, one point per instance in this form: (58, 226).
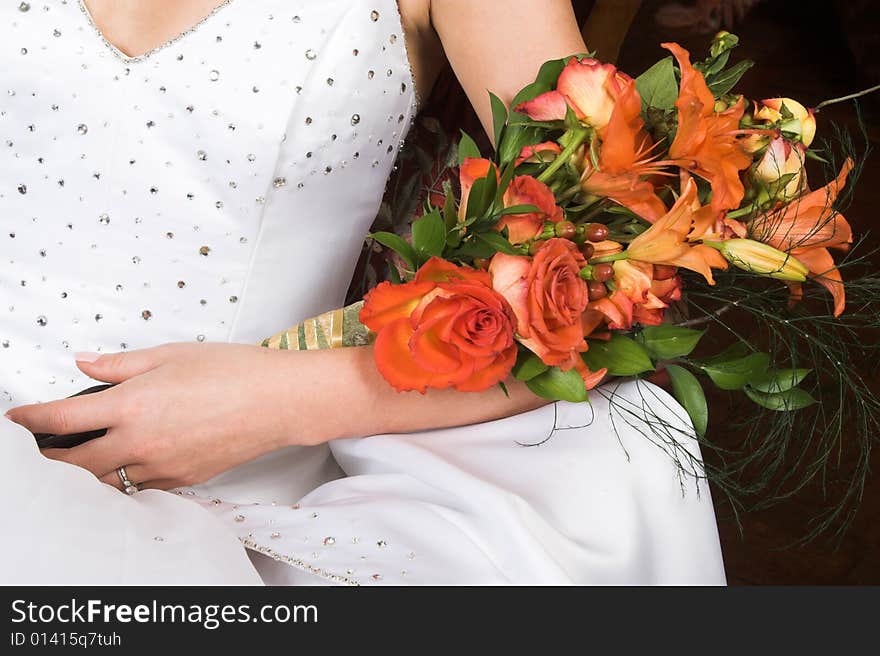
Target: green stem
(564, 156)
(743, 211)
(609, 258)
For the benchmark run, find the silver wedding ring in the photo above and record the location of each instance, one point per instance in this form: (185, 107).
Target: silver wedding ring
(127, 486)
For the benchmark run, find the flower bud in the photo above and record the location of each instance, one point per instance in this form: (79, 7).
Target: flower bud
(536, 245)
(792, 117)
(565, 230)
(762, 259)
(596, 232)
(596, 290)
(603, 272)
(781, 169)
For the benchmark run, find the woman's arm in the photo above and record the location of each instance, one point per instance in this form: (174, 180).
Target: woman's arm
(494, 45)
(345, 396)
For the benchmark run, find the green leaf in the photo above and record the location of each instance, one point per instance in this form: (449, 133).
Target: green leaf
(450, 215)
(726, 80)
(528, 365)
(499, 117)
(572, 122)
(687, 390)
(503, 183)
(558, 385)
(793, 399)
(657, 86)
(398, 244)
(467, 148)
(550, 71)
(394, 275)
(504, 388)
(429, 235)
(473, 248)
(735, 351)
(516, 137)
(497, 241)
(736, 374)
(621, 355)
(780, 380)
(666, 342)
(519, 209)
(481, 196)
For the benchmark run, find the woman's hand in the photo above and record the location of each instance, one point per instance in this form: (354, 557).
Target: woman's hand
(179, 415)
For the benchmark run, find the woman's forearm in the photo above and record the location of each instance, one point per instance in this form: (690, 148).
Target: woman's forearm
(339, 393)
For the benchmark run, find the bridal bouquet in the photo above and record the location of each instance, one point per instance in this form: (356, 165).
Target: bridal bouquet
(617, 221)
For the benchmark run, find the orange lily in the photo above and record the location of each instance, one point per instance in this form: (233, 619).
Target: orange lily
(668, 241)
(807, 227)
(706, 142)
(625, 161)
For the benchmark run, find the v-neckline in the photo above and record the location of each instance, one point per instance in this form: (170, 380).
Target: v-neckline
(130, 59)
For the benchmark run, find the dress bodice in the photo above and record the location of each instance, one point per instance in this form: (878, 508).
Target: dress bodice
(218, 188)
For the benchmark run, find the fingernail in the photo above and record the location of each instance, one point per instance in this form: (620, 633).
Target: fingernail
(86, 356)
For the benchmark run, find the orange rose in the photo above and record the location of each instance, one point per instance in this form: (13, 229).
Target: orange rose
(589, 87)
(523, 190)
(447, 328)
(471, 170)
(549, 299)
(526, 190)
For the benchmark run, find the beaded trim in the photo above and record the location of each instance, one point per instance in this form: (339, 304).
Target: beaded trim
(417, 101)
(298, 563)
(132, 60)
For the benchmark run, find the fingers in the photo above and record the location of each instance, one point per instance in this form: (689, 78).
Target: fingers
(100, 456)
(117, 367)
(67, 416)
(136, 474)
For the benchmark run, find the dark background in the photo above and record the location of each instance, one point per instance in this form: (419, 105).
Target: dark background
(810, 51)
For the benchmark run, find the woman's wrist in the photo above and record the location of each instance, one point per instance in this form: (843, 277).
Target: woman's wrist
(319, 396)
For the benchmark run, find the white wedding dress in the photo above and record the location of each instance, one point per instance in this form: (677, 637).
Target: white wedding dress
(219, 189)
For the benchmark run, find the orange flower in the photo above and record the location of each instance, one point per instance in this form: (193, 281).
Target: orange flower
(638, 297)
(523, 190)
(549, 299)
(624, 160)
(668, 241)
(447, 328)
(526, 190)
(807, 227)
(471, 170)
(802, 121)
(589, 87)
(662, 293)
(706, 142)
(781, 159)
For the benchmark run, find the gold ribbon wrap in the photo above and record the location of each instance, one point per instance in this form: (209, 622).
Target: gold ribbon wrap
(335, 329)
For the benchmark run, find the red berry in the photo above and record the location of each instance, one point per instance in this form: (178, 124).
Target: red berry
(597, 232)
(596, 290)
(603, 272)
(565, 230)
(587, 250)
(535, 246)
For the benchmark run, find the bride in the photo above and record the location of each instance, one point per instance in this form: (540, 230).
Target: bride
(182, 178)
